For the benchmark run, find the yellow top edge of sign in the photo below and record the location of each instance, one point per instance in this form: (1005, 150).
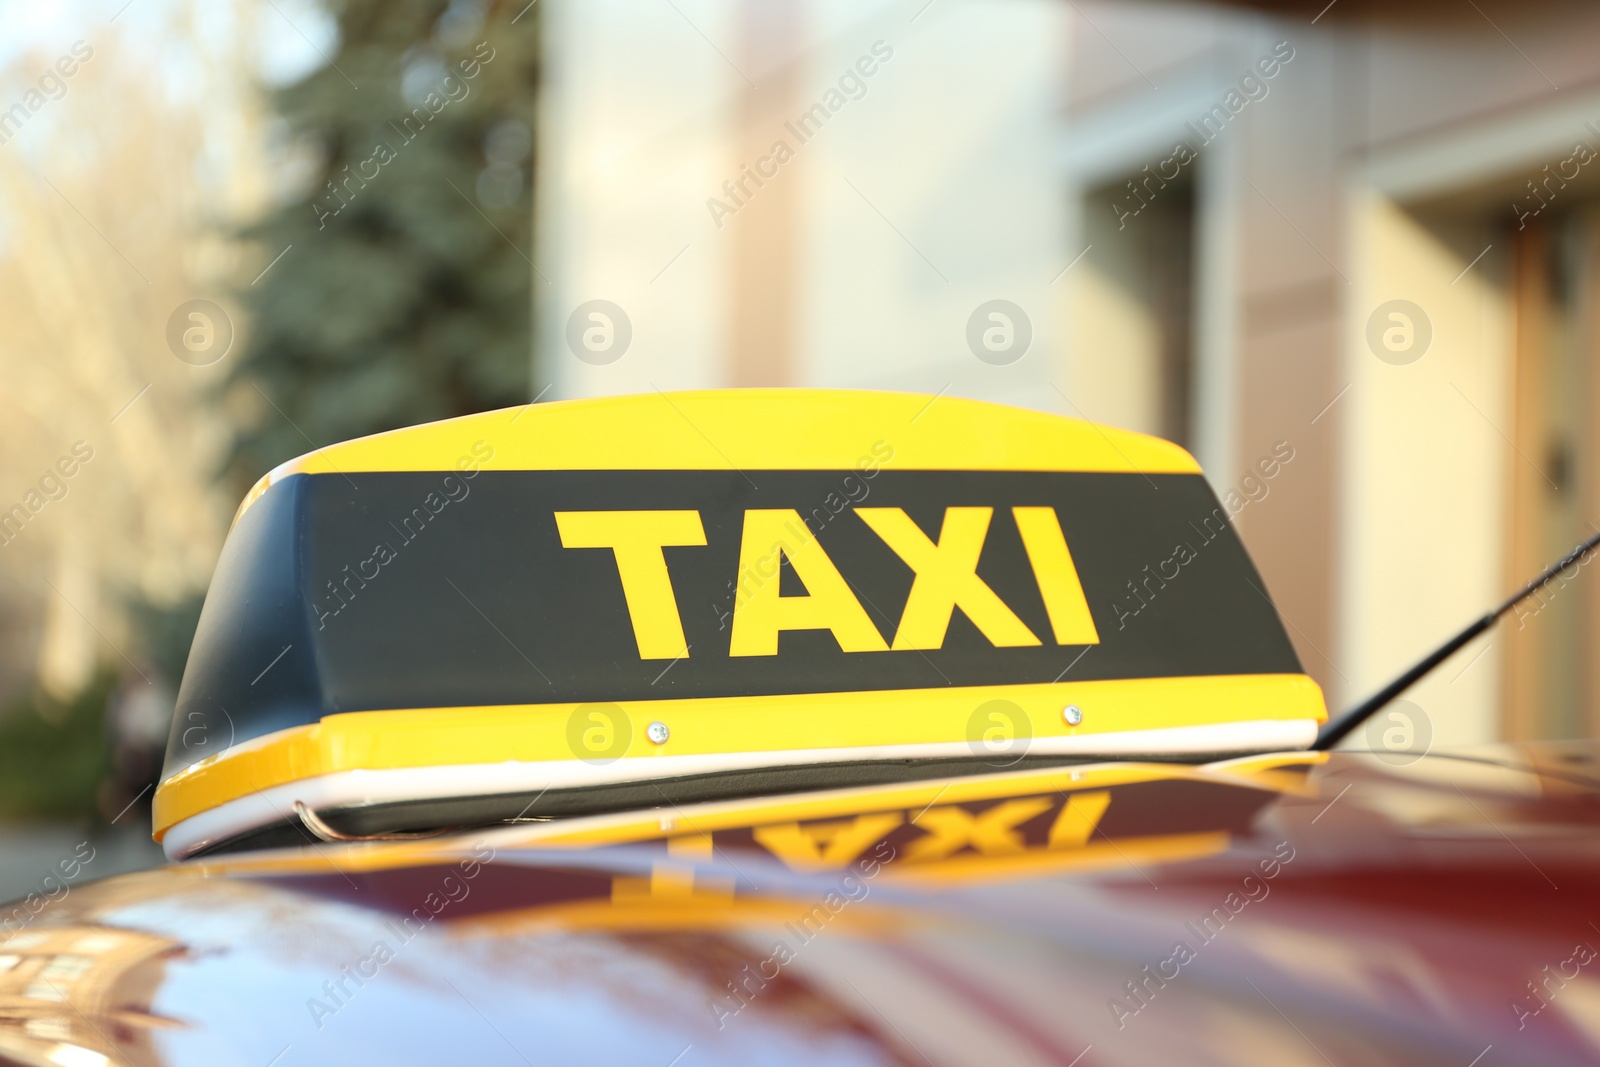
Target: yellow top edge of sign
(751, 429)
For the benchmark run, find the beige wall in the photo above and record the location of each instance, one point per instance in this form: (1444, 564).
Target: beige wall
(1113, 336)
(860, 263)
(1267, 265)
(1381, 163)
(1424, 498)
(633, 127)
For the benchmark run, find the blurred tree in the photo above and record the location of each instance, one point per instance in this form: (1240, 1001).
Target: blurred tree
(54, 754)
(112, 444)
(404, 289)
(403, 297)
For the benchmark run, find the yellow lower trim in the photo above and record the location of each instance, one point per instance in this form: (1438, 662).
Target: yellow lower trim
(437, 737)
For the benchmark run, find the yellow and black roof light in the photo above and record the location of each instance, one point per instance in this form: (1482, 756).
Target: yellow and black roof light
(666, 597)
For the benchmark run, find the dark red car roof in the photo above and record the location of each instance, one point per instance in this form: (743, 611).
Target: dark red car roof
(1346, 911)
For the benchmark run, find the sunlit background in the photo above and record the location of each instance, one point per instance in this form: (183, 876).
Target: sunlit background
(1361, 236)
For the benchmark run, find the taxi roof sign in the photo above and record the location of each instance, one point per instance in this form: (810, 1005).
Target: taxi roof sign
(718, 592)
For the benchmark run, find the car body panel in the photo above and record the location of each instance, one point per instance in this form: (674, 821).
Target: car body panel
(1330, 909)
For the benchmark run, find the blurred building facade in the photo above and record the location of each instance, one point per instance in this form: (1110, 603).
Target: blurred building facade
(1361, 231)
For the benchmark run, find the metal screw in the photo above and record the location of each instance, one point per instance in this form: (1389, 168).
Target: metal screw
(658, 732)
(1073, 714)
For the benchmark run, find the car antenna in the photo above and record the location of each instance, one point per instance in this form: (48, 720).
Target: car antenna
(1337, 729)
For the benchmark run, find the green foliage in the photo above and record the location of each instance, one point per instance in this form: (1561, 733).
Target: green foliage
(53, 756)
(406, 295)
(165, 633)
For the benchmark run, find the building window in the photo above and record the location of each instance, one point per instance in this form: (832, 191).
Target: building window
(1131, 308)
(1552, 686)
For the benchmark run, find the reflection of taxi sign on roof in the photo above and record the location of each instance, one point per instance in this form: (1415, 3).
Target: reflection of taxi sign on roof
(628, 601)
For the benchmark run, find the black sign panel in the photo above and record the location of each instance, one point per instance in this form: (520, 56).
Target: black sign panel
(428, 589)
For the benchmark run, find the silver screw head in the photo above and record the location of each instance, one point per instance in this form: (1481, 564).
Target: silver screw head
(1073, 714)
(658, 733)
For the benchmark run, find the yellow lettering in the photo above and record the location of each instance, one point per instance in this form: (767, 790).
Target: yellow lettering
(694, 846)
(946, 578)
(637, 538)
(1058, 580)
(830, 605)
(825, 845)
(1078, 819)
(670, 881)
(993, 832)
